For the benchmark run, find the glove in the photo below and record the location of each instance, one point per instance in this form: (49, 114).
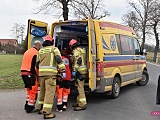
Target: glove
(73, 73)
(63, 75)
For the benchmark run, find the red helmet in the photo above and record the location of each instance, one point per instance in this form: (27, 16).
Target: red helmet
(47, 37)
(73, 41)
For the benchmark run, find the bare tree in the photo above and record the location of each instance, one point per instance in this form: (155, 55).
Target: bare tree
(15, 31)
(18, 32)
(22, 32)
(142, 11)
(132, 20)
(1, 47)
(48, 5)
(154, 24)
(93, 8)
(82, 8)
(147, 19)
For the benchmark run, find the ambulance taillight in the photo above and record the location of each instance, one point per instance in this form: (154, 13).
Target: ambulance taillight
(100, 69)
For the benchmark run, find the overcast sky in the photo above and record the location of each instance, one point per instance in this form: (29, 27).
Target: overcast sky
(19, 11)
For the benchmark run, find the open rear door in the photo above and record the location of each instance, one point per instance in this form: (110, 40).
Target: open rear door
(92, 54)
(36, 31)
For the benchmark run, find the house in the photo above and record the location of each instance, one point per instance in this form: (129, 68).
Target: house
(9, 41)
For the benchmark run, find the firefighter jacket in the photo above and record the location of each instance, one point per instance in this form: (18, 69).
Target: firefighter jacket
(29, 61)
(67, 65)
(49, 58)
(79, 60)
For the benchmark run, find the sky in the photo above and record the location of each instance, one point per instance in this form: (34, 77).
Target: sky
(19, 11)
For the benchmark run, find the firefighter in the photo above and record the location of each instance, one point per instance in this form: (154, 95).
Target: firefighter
(63, 86)
(48, 59)
(29, 76)
(79, 72)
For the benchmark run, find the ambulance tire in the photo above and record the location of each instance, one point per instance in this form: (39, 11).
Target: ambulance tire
(144, 80)
(115, 88)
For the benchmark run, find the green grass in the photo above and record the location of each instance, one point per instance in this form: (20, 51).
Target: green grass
(10, 77)
(150, 56)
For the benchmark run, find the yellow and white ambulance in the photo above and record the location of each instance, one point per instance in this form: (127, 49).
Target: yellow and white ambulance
(114, 56)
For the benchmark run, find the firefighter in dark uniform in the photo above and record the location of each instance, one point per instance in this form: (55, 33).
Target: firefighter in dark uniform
(48, 59)
(29, 76)
(79, 72)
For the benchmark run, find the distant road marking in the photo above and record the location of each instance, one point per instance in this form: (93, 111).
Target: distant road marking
(154, 64)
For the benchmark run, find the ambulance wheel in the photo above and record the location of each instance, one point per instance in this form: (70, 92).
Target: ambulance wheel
(144, 80)
(115, 88)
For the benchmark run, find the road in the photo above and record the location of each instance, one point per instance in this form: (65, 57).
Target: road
(134, 103)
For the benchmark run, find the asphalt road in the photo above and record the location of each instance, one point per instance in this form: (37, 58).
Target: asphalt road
(134, 103)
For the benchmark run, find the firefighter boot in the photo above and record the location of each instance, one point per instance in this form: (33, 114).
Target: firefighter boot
(40, 110)
(75, 105)
(49, 116)
(80, 108)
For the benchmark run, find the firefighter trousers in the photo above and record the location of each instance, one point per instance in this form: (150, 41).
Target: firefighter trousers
(46, 95)
(81, 98)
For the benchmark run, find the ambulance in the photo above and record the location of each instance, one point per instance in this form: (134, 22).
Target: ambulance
(114, 56)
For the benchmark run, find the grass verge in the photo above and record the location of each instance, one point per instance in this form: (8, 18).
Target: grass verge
(150, 55)
(10, 77)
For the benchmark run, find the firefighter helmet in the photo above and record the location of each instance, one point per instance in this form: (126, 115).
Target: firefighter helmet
(73, 41)
(48, 38)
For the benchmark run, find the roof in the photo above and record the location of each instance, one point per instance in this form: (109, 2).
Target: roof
(5, 40)
(11, 41)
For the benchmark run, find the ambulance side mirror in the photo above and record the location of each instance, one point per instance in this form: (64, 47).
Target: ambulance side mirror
(144, 52)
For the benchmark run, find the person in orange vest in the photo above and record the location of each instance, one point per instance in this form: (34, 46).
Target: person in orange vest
(63, 86)
(29, 75)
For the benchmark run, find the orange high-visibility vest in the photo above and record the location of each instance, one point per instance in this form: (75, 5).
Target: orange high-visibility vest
(29, 61)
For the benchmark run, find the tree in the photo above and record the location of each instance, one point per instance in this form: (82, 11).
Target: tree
(131, 19)
(93, 8)
(8, 48)
(18, 32)
(24, 45)
(142, 11)
(82, 8)
(0, 46)
(147, 18)
(48, 5)
(154, 24)
(149, 48)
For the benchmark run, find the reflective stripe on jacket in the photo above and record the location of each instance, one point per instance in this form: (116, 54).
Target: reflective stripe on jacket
(79, 53)
(47, 62)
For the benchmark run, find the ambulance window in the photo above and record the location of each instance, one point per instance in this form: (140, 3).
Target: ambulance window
(136, 47)
(127, 45)
(119, 43)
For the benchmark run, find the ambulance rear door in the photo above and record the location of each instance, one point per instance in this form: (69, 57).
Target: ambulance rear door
(92, 54)
(36, 31)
